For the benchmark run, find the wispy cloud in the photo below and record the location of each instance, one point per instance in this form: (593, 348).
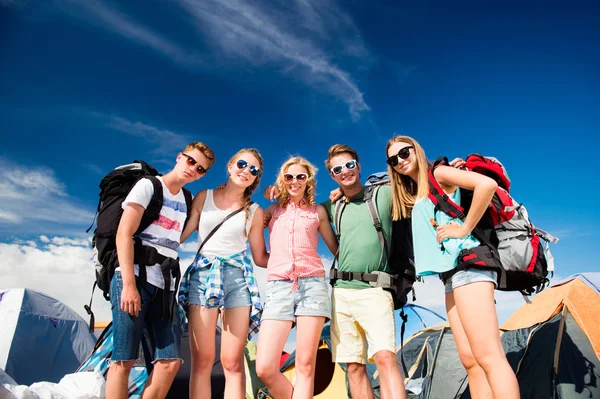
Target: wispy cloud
(305, 40)
(34, 194)
(112, 20)
(262, 33)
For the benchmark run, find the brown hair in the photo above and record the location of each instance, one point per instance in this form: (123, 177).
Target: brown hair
(250, 189)
(338, 149)
(204, 149)
(405, 191)
(311, 171)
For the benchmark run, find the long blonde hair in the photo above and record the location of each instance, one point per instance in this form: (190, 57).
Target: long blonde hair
(405, 191)
(309, 192)
(250, 189)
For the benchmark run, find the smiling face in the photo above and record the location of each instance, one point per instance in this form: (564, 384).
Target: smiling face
(244, 169)
(348, 168)
(295, 179)
(405, 166)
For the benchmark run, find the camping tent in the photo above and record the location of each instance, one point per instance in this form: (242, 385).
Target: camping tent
(553, 344)
(99, 360)
(330, 378)
(41, 339)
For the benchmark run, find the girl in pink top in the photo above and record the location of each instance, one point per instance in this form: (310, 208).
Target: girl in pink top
(296, 289)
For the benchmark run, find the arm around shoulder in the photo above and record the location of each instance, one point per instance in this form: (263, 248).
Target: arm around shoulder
(256, 239)
(326, 230)
(195, 213)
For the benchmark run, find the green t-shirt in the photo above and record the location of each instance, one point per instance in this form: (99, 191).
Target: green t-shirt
(360, 250)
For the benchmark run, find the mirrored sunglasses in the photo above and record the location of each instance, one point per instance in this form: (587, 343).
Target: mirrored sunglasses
(336, 170)
(241, 164)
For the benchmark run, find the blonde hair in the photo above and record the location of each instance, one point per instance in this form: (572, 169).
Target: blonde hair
(204, 149)
(338, 149)
(405, 191)
(309, 192)
(250, 189)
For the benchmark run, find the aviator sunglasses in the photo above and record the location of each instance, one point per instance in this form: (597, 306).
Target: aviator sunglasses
(403, 153)
(241, 164)
(336, 170)
(300, 177)
(192, 162)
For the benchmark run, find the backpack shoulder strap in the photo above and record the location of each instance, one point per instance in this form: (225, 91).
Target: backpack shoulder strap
(188, 204)
(214, 230)
(371, 201)
(337, 216)
(439, 198)
(154, 206)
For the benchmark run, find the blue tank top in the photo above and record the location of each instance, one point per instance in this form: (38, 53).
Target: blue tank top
(429, 256)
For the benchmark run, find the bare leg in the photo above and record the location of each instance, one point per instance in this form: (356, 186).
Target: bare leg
(233, 341)
(358, 379)
(477, 312)
(271, 340)
(392, 383)
(160, 380)
(117, 380)
(202, 328)
(308, 332)
(478, 385)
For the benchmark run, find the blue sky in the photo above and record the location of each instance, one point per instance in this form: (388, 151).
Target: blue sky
(86, 86)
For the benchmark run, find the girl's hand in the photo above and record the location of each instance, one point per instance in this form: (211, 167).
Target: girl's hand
(335, 195)
(271, 192)
(458, 163)
(450, 230)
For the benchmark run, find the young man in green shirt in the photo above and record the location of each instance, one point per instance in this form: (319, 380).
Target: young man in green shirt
(362, 321)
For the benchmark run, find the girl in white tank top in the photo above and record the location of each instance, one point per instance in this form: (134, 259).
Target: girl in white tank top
(221, 276)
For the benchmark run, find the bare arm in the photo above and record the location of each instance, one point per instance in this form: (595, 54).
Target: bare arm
(483, 190)
(194, 220)
(268, 215)
(256, 239)
(326, 230)
(130, 221)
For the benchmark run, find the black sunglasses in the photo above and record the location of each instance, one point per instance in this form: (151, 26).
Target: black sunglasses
(336, 170)
(192, 162)
(241, 164)
(403, 153)
(301, 177)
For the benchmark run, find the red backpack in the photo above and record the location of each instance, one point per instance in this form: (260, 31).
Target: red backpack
(509, 241)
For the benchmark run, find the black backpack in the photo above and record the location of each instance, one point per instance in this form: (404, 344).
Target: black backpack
(114, 188)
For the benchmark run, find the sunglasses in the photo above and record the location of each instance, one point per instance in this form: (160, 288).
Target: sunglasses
(336, 170)
(241, 164)
(192, 162)
(300, 177)
(403, 153)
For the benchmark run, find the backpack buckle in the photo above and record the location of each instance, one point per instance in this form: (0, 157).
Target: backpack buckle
(346, 275)
(377, 226)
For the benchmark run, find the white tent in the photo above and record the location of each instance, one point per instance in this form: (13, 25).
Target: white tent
(41, 339)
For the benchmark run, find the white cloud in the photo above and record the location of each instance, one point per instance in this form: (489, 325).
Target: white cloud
(33, 194)
(60, 267)
(114, 21)
(270, 35)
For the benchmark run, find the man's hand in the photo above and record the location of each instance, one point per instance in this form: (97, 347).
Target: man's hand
(131, 301)
(458, 163)
(270, 192)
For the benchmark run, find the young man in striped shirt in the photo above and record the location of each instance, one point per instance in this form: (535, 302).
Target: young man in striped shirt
(136, 304)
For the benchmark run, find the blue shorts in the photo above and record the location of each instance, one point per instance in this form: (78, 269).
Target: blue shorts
(127, 329)
(311, 299)
(235, 289)
(468, 276)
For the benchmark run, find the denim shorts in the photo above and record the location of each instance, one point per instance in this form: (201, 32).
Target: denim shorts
(235, 289)
(128, 330)
(311, 299)
(468, 276)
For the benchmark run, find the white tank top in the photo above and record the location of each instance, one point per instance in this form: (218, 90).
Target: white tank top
(230, 238)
